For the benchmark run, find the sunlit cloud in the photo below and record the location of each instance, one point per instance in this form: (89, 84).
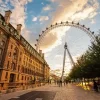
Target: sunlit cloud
(71, 11)
(53, 39)
(18, 15)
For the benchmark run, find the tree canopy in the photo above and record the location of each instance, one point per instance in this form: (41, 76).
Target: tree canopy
(88, 64)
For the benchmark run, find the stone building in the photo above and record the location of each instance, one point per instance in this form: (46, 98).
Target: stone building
(20, 64)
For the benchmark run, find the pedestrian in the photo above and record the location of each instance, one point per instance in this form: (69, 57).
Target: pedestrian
(95, 86)
(64, 82)
(61, 83)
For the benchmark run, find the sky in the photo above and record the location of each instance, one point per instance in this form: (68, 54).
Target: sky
(36, 15)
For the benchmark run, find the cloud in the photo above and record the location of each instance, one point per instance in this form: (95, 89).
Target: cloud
(53, 0)
(0, 1)
(18, 15)
(43, 18)
(93, 21)
(47, 7)
(58, 56)
(57, 69)
(34, 19)
(53, 39)
(28, 35)
(42, 3)
(71, 10)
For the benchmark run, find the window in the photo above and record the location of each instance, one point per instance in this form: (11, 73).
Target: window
(6, 76)
(22, 77)
(20, 53)
(11, 46)
(0, 51)
(15, 53)
(22, 70)
(1, 32)
(13, 66)
(18, 68)
(18, 77)
(9, 54)
(19, 59)
(2, 43)
(25, 77)
(8, 65)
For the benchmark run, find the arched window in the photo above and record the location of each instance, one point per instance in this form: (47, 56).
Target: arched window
(15, 54)
(13, 66)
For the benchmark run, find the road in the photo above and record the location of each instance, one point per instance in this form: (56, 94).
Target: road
(53, 92)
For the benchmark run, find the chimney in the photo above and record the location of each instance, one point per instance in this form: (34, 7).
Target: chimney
(7, 16)
(40, 52)
(19, 28)
(43, 55)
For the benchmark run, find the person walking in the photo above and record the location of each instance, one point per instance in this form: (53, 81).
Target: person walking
(61, 83)
(95, 86)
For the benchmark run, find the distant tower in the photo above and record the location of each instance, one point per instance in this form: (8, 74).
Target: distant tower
(66, 48)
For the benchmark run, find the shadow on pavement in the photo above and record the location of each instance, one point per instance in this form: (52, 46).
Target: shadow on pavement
(43, 95)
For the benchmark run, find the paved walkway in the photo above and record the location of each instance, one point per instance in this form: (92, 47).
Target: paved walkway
(72, 92)
(69, 92)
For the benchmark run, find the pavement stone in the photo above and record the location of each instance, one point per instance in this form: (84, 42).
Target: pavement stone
(72, 92)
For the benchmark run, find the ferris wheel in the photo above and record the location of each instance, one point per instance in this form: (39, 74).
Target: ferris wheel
(57, 25)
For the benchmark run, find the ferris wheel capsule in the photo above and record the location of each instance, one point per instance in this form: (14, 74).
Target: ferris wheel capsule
(46, 28)
(92, 32)
(56, 23)
(66, 21)
(72, 22)
(77, 23)
(83, 25)
(51, 25)
(88, 28)
(42, 31)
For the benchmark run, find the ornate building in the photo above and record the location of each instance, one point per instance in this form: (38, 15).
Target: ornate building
(20, 64)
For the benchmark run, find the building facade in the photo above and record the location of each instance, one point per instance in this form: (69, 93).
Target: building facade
(20, 64)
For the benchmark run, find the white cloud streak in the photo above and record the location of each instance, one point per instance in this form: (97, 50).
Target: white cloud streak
(43, 18)
(47, 7)
(34, 19)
